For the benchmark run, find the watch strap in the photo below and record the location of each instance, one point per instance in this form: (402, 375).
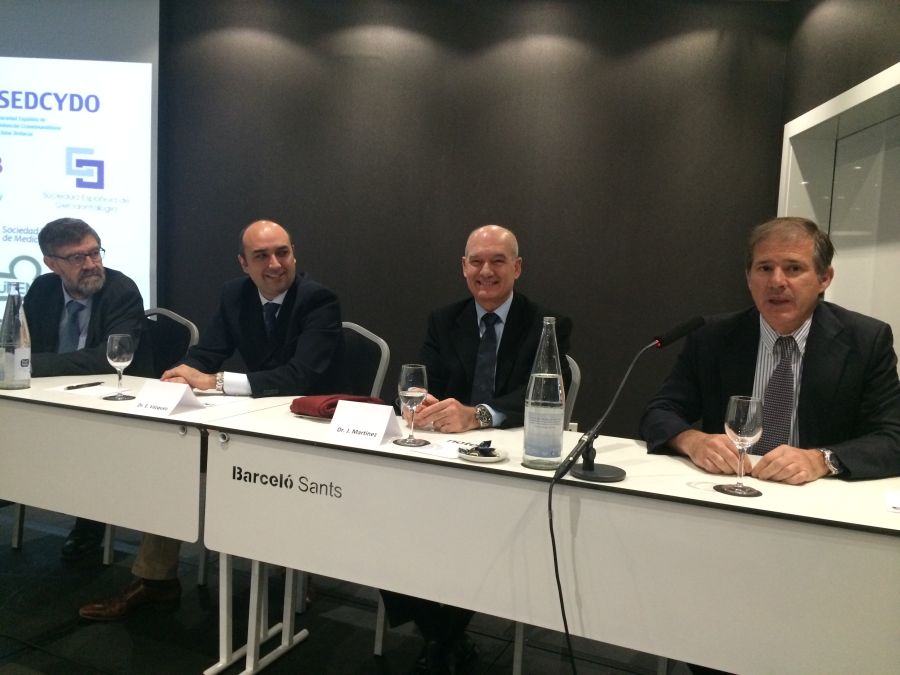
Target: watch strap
(832, 463)
(483, 416)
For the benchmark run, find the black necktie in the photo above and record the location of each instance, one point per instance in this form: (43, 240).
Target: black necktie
(270, 309)
(778, 402)
(485, 362)
(71, 330)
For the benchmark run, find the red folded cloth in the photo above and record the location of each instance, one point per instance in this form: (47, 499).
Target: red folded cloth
(325, 405)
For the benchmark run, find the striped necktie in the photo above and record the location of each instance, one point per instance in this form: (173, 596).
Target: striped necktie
(778, 403)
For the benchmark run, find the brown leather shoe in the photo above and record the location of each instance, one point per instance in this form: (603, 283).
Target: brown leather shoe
(136, 595)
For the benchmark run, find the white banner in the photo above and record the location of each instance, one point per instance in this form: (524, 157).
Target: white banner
(75, 141)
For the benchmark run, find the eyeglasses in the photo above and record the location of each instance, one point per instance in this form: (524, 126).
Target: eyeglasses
(77, 259)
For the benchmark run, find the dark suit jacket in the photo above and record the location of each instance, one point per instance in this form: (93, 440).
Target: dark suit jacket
(849, 392)
(115, 308)
(451, 346)
(304, 353)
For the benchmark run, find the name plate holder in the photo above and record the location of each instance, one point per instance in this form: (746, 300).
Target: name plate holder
(363, 425)
(165, 398)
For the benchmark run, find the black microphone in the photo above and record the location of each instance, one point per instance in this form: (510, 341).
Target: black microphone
(679, 332)
(605, 473)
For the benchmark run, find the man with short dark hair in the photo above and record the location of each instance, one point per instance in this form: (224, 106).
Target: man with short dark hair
(836, 406)
(287, 329)
(71, 312)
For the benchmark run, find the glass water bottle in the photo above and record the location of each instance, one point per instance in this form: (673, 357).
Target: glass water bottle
(545, 401)
(15, 344)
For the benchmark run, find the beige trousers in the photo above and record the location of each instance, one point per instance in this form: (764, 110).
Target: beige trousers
(157, 558)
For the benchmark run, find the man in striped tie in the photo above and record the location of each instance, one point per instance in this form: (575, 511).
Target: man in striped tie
(827, 376)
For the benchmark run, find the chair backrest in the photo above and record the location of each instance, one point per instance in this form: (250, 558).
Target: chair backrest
(366, 359)
(572, 393)
(171, 334)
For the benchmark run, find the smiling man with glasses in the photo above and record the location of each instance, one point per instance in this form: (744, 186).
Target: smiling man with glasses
(71, 311)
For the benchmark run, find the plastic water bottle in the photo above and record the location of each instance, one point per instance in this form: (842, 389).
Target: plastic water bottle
(15, 344)
(545, 401)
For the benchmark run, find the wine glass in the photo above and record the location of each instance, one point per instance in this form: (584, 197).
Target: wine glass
(743, 425)
(119, 353)
(412, 387)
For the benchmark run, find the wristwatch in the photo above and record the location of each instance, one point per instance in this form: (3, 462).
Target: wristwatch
(220, 382)
(832, 463)
(483, 416)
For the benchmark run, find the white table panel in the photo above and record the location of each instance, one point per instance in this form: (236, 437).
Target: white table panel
(128, 472)
(79, 454)
(859, 504)
(646, 564)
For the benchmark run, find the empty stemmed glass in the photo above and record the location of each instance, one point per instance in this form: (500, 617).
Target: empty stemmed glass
(119, 353)
(743, 425)
(412, 387)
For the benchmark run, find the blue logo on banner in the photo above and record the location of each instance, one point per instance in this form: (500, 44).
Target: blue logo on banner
(84, 170)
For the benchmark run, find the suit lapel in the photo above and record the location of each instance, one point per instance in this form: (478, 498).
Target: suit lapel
(515, 327)
(466, 339)
(49, 318)
(253, 330)
(52, 317)
(284, 324)
(737, 363)
(96, 321)
(823, 365)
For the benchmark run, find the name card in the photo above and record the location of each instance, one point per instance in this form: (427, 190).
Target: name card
(165, 398)
(363, 425)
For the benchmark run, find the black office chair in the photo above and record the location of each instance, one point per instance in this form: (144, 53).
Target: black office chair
(170, 335)
(572, 394)
(366, 359)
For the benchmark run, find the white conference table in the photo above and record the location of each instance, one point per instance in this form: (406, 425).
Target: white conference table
(73, 452)
(801, 580)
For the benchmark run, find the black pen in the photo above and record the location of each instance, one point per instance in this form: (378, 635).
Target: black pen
(82, 386)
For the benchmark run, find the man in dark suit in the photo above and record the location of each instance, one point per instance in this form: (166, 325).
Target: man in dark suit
(287, 329)
(490, 266)
(456, 402)
(70, 312)
(285, 326)
(843, 418)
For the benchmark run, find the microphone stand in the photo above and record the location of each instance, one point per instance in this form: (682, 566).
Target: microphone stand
(598, 473)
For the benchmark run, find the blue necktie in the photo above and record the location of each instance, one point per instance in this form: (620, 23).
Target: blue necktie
(485, 362)
(270, 309)
(778, 402)
(71, 330)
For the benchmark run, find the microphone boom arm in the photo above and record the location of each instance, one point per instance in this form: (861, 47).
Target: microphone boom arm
(585, 445)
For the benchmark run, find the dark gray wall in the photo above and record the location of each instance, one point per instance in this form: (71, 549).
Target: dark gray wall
(630, 144)
(835, 45)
